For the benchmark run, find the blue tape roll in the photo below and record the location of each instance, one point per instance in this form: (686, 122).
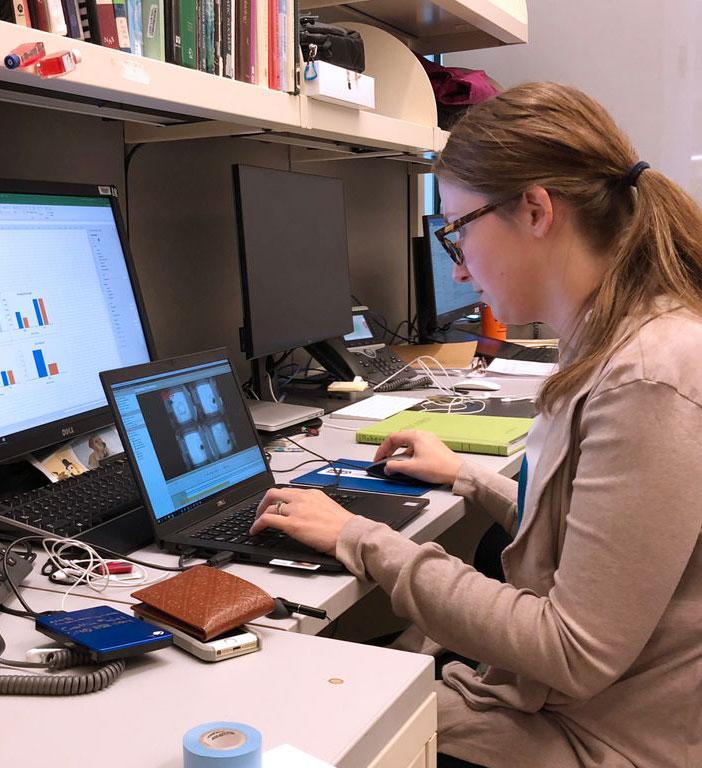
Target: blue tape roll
(222, 745)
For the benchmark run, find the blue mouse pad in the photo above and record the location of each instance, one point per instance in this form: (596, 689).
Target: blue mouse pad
(354, 478)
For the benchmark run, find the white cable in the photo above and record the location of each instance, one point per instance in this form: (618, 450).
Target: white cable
(93, 570)
(456, 402)
(270, 387)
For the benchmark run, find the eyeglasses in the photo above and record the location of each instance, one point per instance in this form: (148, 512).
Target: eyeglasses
(450, 235)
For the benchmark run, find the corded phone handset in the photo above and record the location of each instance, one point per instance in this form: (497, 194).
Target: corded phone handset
(363, 353)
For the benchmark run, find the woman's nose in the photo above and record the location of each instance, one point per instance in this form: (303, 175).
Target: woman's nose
(461, 273)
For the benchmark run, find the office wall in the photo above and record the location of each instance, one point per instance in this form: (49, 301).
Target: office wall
(48, 145)
(183, 234)
(642, 60)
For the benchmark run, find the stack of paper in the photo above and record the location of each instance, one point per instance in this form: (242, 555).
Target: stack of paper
(376, 407)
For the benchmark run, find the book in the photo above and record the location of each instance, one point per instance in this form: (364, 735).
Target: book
(122, 25)
(273, 47)
(152, 28)
(376, 407)
(244, 43)
(188, 33)
(172, 31)
(16, 12)
(73, 22)
(84, 20)
(209, 36)
(56, 18)
(103, 29)
(228, 9)
(495, 435)
(351, 475)
(218, 63)
(262, 43)
(136, 31)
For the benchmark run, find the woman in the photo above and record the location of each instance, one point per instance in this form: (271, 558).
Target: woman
(591, 652)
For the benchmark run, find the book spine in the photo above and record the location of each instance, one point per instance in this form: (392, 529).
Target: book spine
(243, 40)
(188, 33)
(273, 63)
(72, 14)
(291, 50)
(40, 14)
(102, 23)
(227, 39)
(16, 12)
(201, 35)
(172, 31)
(262, 43)
(122, 25)
(57, 21)
(84, 20)
(218, 66)
(282, 53)
(136, 31)
(153, 32)
(209, 36)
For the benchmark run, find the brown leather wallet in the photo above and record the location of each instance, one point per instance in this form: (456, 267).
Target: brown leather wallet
(203, 601)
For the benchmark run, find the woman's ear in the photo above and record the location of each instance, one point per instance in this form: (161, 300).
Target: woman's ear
(537, 211)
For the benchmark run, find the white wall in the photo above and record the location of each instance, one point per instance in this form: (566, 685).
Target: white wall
(642, 59)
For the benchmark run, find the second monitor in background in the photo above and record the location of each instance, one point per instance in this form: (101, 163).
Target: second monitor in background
(440, 300)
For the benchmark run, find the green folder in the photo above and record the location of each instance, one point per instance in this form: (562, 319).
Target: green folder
(496, 435)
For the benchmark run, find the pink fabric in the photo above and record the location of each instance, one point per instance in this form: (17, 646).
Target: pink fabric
(454, 86)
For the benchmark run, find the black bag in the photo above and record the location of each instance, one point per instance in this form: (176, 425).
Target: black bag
(324, 42)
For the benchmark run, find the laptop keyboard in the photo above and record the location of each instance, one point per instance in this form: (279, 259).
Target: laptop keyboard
(234, 529)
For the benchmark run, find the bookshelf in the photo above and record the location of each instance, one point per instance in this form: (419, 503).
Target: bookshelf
(434, 26)
(162, 102)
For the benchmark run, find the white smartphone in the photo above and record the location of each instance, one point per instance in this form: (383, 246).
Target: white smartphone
(238, 642)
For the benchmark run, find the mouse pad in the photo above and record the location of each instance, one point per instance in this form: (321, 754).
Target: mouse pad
(353, 477)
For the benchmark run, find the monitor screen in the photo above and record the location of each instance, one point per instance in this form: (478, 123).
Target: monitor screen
(293, 253)
(451, 299)
(68, 310)
(189, 433)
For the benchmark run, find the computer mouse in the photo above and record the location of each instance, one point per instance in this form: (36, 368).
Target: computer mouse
(477, 384)
(377, 469)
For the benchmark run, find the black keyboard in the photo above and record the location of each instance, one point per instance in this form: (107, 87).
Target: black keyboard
(234, 528)
(75, 505)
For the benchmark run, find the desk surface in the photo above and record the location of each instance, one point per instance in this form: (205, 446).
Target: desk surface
(283, 690)
(333, 592)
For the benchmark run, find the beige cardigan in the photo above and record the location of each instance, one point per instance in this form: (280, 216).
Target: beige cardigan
(592, 652)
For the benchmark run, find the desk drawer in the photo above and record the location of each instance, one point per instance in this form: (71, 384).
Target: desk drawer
(414, 745)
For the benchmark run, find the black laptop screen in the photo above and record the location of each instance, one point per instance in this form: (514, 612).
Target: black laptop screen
(190, 435)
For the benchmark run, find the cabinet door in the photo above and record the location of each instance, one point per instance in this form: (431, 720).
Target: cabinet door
(409, 747)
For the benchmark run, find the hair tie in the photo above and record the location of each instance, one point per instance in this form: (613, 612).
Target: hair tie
(632, 176)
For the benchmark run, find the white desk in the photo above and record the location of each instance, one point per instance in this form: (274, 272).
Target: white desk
(383, 714)
(335, 593)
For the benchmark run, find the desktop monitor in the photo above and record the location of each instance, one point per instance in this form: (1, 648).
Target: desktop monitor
(293, 254)
(440, 299)
(69, 308)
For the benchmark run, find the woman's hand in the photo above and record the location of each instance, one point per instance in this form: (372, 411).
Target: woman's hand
(431, 460)
(307, 515)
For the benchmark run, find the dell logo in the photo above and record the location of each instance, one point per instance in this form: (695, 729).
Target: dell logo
(66, 431)
(221, 502)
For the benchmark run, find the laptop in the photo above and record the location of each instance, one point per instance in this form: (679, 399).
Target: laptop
(200, 467)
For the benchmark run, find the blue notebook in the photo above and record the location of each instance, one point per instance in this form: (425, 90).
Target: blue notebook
(354, 478)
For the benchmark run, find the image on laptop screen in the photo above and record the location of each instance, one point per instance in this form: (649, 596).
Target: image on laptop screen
(190, 435)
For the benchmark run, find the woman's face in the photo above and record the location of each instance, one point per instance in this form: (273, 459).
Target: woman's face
(498, 257)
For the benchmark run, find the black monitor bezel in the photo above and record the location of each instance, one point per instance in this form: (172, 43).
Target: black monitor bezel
(16, 445)
(424, 283)
(254, 485)
(247, 344)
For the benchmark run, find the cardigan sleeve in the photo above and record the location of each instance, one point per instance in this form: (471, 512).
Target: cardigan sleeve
(634, 520)
(492, 492)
